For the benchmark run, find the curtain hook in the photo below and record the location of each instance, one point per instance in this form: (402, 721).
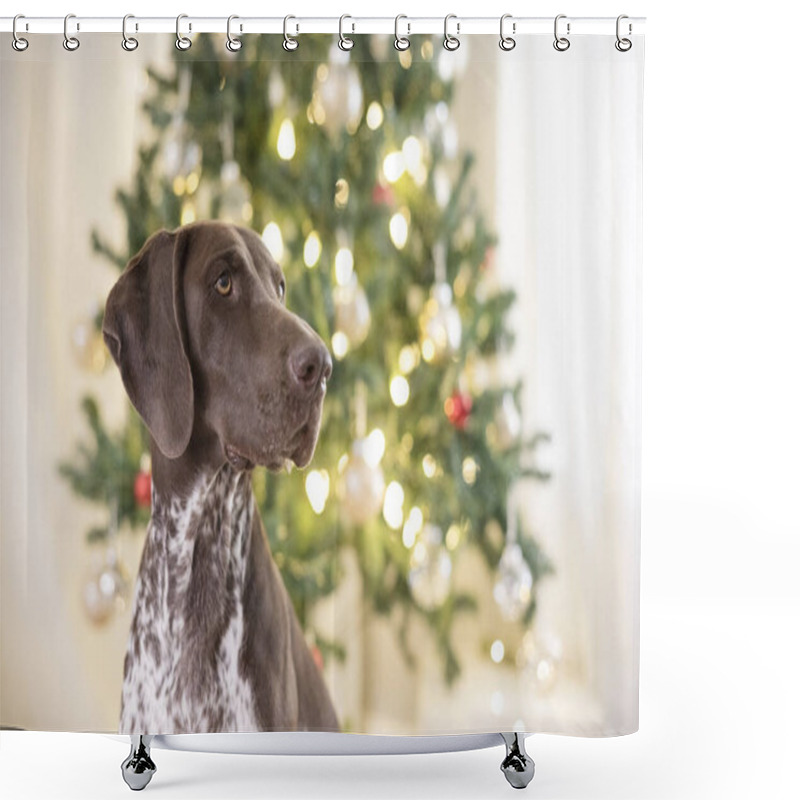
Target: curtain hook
(401, 42)
(289, 42)
(507, 42)
(561, 43)
(182, 42)
(233, 44)
(17, 42)
(129, 43)
(70, 43)
(345, 42)
(451, 42)
(623, 45)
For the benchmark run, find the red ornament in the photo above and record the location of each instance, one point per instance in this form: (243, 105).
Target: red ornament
(316, 654)
(458, 408)
(382, 195)
(142, 485)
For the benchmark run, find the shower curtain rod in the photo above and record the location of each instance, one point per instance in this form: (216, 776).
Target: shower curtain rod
(298, 25)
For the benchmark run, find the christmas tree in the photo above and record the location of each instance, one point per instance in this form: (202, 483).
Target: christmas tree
(347, 164)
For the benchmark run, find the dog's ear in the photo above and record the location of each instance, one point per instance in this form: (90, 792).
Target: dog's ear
(144, 330)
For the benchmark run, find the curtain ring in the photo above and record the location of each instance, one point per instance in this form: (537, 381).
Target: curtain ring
(70, 43)
(181, 42)
(401, 42)
(129, 43)
(623, 45)
(17, 42)
(507, 42)
(345, 42)
(289, 42)
(233, 44)
(451, 42)
(561, 43)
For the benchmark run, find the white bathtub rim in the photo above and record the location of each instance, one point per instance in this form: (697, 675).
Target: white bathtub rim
(319, 743)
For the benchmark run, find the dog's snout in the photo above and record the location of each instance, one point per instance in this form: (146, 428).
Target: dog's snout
(310, 365)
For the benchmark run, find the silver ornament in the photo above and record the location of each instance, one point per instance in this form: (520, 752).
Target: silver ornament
(430, 569)
(352, 311)
(512, 589)
(361, 486)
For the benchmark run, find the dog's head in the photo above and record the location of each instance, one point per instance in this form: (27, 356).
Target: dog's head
(199, 329)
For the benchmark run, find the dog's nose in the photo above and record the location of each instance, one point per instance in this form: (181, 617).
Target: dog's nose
(310, 365)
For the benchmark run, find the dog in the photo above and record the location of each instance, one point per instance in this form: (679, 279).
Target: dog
(225, 378)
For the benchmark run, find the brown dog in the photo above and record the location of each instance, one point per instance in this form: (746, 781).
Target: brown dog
(224, 377)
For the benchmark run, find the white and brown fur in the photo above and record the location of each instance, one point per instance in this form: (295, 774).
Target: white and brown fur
(215, 644)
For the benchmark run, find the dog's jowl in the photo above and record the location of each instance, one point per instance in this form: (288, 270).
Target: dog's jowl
(225, 378)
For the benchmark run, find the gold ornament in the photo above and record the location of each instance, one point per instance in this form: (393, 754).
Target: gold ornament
(88, 345)
(352, 311)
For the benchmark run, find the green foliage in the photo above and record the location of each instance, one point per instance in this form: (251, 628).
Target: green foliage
(229, 95)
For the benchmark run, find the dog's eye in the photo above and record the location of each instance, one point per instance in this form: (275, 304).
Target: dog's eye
(224, 284)
(281, 290)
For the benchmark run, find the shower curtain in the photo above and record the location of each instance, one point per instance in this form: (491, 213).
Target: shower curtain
(461, 229)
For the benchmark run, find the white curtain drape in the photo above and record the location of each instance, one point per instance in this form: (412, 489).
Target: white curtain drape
(69, 129)
(569, 208)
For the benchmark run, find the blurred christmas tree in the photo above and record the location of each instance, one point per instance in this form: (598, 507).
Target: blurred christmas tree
(348, 163)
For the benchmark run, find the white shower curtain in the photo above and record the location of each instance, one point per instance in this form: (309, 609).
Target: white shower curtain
(557, 174)
(569, 186)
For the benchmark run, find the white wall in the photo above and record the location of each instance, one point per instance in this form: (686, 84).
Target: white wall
(57, 671)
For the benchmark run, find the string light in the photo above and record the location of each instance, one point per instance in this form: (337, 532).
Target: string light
(312, 250)
(340, 344)
(398, 230)
(273, 240)
(342, 193)
(412, 153)
(394, 166)
(412, 527)
(188, 213)
(498, 651)
(393, 505)
(343, 266)
(469, 470)
(286, 140)
(399, 390)
(192, 182)
(318, 484)
(408, 358)
(453, 537)
(374, 116)
(375, 447)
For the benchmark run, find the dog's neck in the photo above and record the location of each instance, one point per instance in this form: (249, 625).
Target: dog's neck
(218, 504)
(182, 666)
(199, 533)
